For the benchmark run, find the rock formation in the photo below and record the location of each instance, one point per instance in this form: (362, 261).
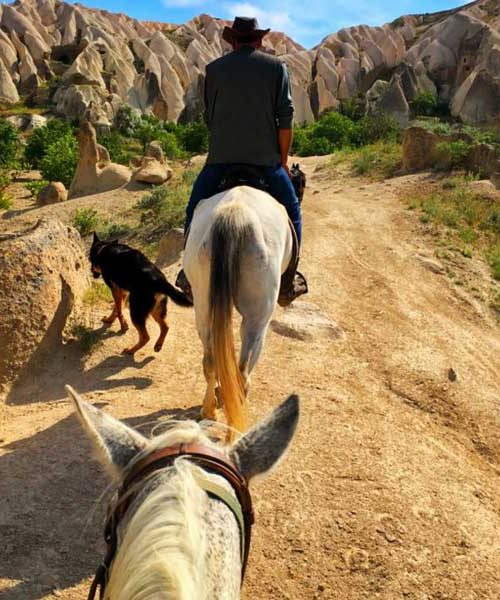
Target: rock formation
(44, 276)
(153, 167)
(94, 172)
(76, 58)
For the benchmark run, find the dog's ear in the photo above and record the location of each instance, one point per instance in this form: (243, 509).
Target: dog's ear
(95, 239)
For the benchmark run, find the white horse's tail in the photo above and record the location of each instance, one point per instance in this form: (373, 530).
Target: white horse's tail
(230, 232)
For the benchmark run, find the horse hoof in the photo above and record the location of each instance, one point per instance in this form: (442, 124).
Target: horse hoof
(158, 347)
(124, 329)
(128, 351)
(107, 320)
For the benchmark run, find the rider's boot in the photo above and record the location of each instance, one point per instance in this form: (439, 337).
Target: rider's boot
(293, 285)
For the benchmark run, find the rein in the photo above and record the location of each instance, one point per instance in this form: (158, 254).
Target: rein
(208, 459)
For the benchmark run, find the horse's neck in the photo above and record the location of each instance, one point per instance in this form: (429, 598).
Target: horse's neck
(177, 544)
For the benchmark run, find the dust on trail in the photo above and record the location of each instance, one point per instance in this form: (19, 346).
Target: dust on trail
(392, 486)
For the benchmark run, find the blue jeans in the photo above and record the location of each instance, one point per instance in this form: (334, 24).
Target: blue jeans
(280, 188)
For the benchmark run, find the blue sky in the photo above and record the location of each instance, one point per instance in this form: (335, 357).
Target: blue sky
(306, 21)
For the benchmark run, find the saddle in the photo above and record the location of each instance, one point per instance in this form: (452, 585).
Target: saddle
(255, 177)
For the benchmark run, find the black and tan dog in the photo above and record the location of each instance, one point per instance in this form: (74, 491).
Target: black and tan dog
(127, 271)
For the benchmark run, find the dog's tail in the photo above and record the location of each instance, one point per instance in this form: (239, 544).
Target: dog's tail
(230, 233)
(176, 295)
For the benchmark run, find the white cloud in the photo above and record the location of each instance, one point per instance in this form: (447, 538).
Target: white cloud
(275, 19)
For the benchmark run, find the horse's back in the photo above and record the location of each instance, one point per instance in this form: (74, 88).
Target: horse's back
(255, 209)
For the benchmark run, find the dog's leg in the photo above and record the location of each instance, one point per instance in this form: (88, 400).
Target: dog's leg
(140, 308)
(159, 314)
(118, 297)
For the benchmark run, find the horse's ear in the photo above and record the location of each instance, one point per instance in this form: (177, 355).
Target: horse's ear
(261, 448)
(116, 443)
(95, 238)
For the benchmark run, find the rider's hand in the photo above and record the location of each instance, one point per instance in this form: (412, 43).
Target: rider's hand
(287, 169)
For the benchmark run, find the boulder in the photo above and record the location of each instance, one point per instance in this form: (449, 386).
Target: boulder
(35, 122)
(52, 193)
(44, 276)
(421, 150)
(153, 167)
(93, 176)
(170, 248)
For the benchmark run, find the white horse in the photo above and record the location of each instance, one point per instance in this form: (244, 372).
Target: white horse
(239, 245)
(175, 540)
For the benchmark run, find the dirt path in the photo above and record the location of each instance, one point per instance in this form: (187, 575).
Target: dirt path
(392, 487)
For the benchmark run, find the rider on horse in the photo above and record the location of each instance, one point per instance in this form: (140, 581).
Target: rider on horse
(249, 112)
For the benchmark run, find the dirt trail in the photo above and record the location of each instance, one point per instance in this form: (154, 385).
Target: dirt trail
(392, 487)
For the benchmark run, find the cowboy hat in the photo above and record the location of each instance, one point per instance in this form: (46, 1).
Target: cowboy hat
(243, 29)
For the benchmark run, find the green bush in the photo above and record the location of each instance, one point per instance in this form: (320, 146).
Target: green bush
(425, 103)
(194, 137)
(166, 206)
(335, 131)
(170, 145)
(379, 160)
(86, 220)
(353, 108)
(5, 200)
(9, 144)
(126, 120)
(338, 129)
(34, 187)
(40, 140)
(454, 153)
(117, 147)
(372, 128)
(60, 160)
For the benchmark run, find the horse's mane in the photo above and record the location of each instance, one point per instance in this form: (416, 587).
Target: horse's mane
(162, 552)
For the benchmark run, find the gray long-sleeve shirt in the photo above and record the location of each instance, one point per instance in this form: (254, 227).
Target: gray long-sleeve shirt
(247, 99)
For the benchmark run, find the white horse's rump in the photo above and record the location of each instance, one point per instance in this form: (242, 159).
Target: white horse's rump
(239, 245)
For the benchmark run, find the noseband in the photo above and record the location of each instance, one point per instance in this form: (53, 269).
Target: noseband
(208, 459)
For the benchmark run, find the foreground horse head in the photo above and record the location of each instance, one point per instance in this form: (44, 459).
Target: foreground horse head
(239, 245)
(179, 524)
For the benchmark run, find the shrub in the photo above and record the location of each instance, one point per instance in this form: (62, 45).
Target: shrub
(166, 206)
(194, 137)
(372, 128)
(117, 147)
(380, 160)
(353, 108)
(34, 187)
(86, 220)
(60, 160)
(40, 140)
(5, 200)
(170, 145)
(338, 129)
(454, 152)
(9, 144)
(494, 260)
(425, 103)
(126, 120)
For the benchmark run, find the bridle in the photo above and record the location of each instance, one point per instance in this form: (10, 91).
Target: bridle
(208, 459)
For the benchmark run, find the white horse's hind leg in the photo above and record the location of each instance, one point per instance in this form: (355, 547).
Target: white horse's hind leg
(253, 332)
(208, 408)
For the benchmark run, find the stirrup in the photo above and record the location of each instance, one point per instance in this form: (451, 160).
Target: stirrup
(182, 283)
(292, 288)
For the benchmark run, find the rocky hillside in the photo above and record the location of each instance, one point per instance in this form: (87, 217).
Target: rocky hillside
(76, 59)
